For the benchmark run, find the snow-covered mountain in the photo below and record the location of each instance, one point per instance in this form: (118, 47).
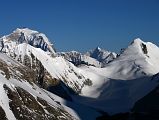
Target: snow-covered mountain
(25, 35)
(52, 67)
(21, 98)
(79, 92)
(125, 80)
(48, 71)
(102, 55)
(79, 59)
(97, 57)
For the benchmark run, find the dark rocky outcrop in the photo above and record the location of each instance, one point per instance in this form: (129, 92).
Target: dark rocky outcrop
(2, 114)
(26, 107)
(144, 48)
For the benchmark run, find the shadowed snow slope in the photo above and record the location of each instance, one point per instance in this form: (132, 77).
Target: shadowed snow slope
(58, 67)
(125, 80)
(21, 98)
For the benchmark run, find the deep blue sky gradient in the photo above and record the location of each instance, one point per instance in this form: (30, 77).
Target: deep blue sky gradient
(84, 24)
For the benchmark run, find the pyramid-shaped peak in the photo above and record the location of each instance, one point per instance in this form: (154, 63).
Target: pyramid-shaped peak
(98, 48)
(137, 41)
(140, 47)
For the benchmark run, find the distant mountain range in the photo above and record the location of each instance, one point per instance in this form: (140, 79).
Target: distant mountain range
(39, 83)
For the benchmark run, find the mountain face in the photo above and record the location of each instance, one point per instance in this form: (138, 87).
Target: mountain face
(25, 35)
(79, 59)
(123, 81)
(97, 57)
(21, 98)
(38, 83)
(102, 56)
(48, 72)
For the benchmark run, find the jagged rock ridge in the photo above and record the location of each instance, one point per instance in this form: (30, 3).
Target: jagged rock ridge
(102, 55)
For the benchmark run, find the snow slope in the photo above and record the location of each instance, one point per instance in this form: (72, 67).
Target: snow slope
(29, 92)
(5, 100)
(24, 43)
(112, 85)
(12, 82)
(58, 67)
(123, 81)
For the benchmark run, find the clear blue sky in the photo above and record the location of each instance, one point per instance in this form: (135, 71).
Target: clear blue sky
(84, 24)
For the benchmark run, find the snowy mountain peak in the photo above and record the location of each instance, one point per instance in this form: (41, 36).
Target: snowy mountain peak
(136, 47)
(139, 44)
(137, 40)
(26, 35)
(143, 54)
(25, 30)
(79, 59)
(102, 55)
(98, 49)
